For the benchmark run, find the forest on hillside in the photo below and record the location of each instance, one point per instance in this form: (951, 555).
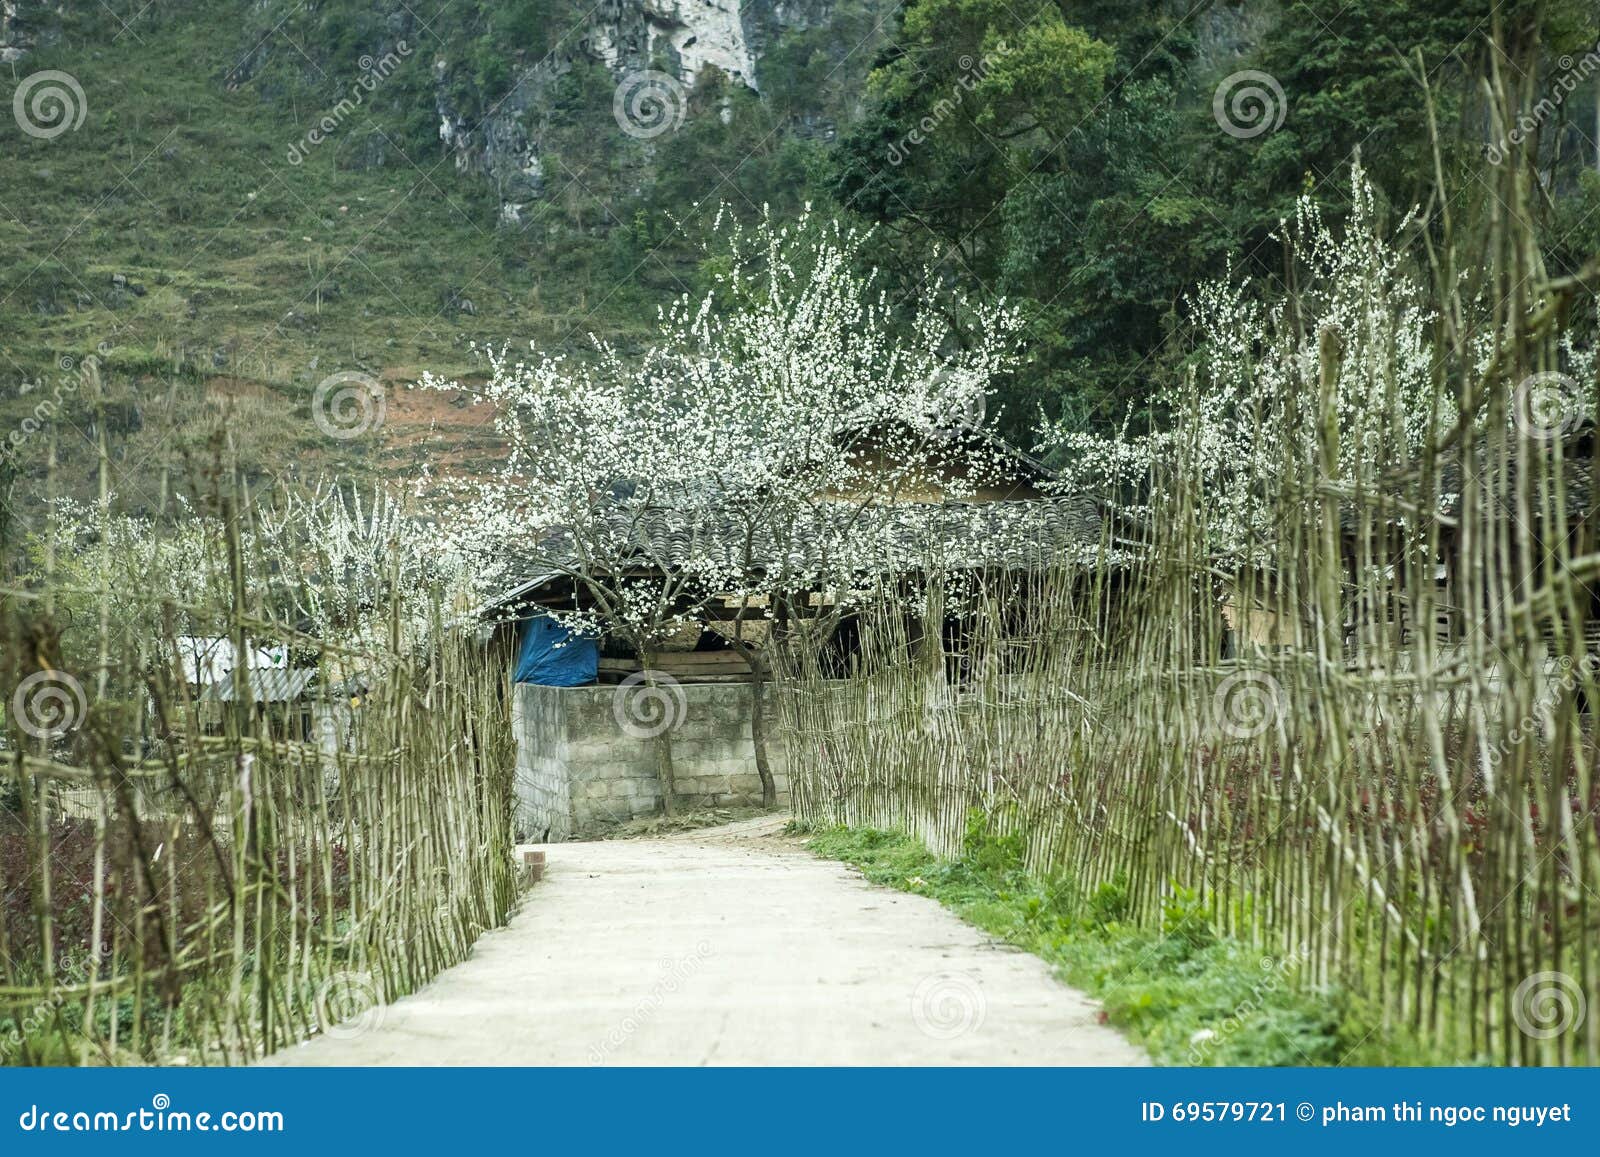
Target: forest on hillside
(473, 180)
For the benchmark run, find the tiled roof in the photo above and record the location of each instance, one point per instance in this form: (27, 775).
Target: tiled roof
(1499, 483)
(1031, 534)
(270, 685)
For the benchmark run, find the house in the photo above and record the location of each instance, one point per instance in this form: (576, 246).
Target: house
(1381, 592)
(583, 706)
(1006, 523)
(208, 659)
(286, 697)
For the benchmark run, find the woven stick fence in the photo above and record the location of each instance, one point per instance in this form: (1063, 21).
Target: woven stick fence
(1364, 735)
(195, 878)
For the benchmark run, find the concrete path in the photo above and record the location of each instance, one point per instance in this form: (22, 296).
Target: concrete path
(732, 946)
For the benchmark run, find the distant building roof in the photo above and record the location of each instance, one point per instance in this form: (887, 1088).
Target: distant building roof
(1029, 535)
(272, 685)
(1500, 473)
(207, 659)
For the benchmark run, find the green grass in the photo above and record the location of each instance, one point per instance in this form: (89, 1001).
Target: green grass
(170, 233)
(183, 186)
(1187, 995)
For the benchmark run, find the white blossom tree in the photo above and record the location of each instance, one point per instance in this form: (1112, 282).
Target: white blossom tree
(347, 575)
(359, 569)
(753, 452)
(1247, 420)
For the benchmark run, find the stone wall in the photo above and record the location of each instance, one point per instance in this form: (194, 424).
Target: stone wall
(585, 759)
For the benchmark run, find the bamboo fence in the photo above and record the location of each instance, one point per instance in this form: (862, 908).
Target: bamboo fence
(202, 881)
(1366, 740)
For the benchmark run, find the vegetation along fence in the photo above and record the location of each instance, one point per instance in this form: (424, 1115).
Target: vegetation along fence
(199, 864)
(1332, 674)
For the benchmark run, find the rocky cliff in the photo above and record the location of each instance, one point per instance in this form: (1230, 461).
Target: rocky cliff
(492, 75)
(24, 24)
(658, 52)
(497, 87)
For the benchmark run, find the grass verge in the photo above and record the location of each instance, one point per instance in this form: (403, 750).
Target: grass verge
(1187, 995)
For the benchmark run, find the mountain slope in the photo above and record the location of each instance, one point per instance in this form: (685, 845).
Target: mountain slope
(259, 195)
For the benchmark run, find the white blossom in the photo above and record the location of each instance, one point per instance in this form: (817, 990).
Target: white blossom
(754, 448)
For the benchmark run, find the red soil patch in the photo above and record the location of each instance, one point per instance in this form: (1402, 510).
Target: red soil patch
(453, 429)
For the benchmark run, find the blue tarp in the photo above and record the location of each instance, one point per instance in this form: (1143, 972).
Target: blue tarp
(553, 656)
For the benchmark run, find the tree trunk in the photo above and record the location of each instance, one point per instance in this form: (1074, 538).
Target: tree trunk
(758, 719)
(758, 732)
(663, 745)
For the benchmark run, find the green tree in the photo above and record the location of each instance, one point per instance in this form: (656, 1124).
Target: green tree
(968, 100)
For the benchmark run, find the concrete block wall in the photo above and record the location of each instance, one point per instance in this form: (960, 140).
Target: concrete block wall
(580, 770)
(544, 805)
